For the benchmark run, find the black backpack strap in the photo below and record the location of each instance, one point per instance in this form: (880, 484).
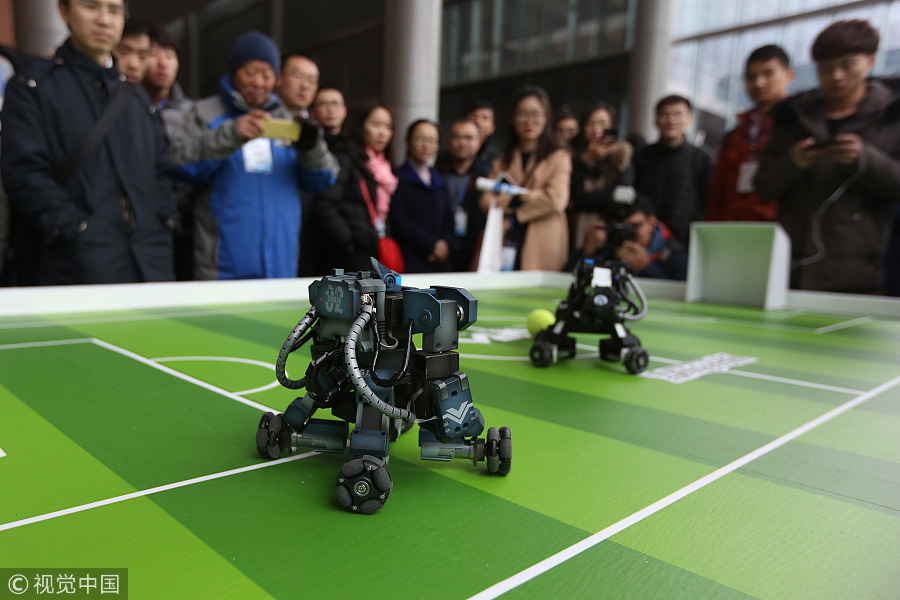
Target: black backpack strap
(97, 133)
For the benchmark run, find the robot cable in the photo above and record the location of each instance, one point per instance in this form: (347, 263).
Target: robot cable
(353, 370)
(820, 214)
(292, 343)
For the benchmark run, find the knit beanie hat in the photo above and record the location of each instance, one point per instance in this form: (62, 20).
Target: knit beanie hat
(253, 45)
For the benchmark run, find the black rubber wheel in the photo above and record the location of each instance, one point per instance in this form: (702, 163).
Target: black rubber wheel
(504, 450)
(491, 450)
(636, 360)
(363, 484)
(541, 354)
(268, 433)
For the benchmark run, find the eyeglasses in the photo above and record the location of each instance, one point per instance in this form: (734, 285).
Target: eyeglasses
(303, 78)
(115, 10)
(533, 117)
(329, 104)
(424, 141)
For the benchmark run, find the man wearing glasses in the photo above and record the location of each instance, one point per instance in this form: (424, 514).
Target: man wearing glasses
(94, 189)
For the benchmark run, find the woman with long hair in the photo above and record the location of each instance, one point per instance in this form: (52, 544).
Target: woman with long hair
(351, 216)
(537, 226)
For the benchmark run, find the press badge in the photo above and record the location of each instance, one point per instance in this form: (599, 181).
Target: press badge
(460, 221)
(257, 156)
(745, 177)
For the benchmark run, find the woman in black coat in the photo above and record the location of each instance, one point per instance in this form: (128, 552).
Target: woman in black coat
(421, 212)
(351, 215)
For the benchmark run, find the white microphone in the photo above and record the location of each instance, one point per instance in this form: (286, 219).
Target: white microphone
(483, 184)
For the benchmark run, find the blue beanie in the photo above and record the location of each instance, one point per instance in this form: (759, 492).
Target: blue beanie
(253, 45)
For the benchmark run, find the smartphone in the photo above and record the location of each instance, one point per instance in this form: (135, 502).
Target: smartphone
(282, 129)
(822, 143)
(611, 134)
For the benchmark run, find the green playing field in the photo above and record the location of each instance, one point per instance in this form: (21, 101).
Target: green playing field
(758, 457)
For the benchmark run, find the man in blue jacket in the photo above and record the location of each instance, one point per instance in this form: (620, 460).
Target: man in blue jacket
(104, 214)
(247, 223)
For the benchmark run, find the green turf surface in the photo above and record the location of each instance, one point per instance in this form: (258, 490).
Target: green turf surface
(818, 517)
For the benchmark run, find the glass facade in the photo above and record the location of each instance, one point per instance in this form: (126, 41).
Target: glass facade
(487, 39)
(712, 39)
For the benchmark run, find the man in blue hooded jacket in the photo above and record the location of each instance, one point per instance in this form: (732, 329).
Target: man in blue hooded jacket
(247, 224)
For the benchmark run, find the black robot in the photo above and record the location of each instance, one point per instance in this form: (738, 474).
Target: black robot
(601, 299)
(367, 370)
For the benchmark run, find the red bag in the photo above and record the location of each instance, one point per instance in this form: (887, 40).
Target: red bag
(388, 249)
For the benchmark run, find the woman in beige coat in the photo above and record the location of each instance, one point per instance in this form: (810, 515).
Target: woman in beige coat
(537, 220)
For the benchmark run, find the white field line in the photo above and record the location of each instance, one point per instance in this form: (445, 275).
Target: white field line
(816, 386)
(844, 325)
(182, 376)
(147, 492)
(234, 359)
(2, 453)
(149, 317)
(545, 565)
(756, 324)
(46, 343)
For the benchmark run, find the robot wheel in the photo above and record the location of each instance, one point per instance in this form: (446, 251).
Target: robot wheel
(636, 360)
(498, 451)
(542, 354)
(364, 484)
(268, 435)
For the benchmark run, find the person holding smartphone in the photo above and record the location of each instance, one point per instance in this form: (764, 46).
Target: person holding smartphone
(603, 164)
(833, 162)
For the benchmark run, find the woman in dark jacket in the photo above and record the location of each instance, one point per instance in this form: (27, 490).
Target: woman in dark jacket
(351, 215)
(421, 213)
(602, 164)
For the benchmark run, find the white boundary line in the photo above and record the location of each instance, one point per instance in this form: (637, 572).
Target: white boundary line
(147, 492)
(182, 376)
(149, 317)
(545, 565)
(2, 453)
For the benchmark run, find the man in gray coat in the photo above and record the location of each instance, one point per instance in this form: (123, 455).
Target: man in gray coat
(833, 161)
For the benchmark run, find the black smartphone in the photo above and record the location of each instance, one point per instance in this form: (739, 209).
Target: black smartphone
(822, 143)
(611, 134)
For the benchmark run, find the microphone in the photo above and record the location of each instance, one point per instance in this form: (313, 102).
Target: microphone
(483, 184)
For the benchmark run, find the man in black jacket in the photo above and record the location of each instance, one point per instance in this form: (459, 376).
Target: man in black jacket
(673, 173)
(104, 214)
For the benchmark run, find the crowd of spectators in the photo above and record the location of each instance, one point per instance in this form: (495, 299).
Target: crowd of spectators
(112, 174)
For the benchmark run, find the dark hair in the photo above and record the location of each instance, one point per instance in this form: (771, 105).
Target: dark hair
(289, 55)
(609, 108)
(356, 120)
(478, 105)
(327, 86)
(856, 36)
(767, 53)
(162, 37)
(416, 123)
(546, 145)
(464, 120)
(673, 99)
(562, 116)
(134, 26)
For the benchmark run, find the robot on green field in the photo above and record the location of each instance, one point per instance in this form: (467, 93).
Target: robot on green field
(367, 370)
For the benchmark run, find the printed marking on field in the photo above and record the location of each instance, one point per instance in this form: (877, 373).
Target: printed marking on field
(720, 362)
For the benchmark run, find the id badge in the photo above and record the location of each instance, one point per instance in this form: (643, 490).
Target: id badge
(460, 221)
(746, 173)
(257, 156)
(508, 258)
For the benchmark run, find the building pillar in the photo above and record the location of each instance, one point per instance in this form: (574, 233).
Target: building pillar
(39, 28)
(412, 64)
(649, 65)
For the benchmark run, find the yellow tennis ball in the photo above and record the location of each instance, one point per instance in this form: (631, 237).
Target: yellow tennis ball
(538, 319)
